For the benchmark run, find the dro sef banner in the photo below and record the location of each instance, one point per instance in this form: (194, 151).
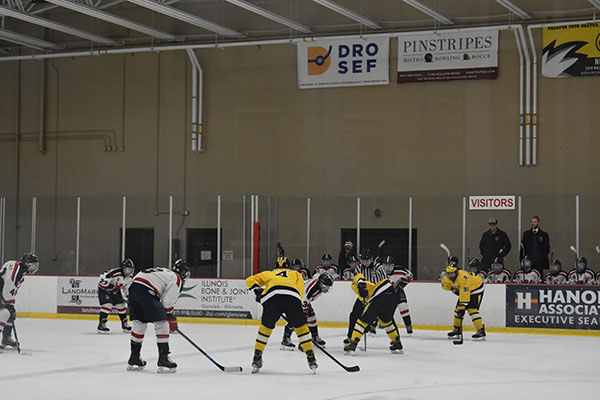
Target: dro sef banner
(553, 306)
(448, 56)
(349, 62)
(571, 50)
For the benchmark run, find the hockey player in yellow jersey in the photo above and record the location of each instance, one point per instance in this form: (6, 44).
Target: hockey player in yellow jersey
(282, 294)
(469, 289)
(381, 302)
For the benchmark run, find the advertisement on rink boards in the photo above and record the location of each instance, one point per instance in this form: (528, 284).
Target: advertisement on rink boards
(571, 50)
(216, 298)
(77, 295)
(504, 202)
(553, 306)
(348, 62)
(445, 56)
(202, 298)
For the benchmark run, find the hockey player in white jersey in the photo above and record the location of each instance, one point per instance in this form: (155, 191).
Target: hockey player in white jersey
(350, 271)
(314, 288)
(328, 266)
(399, 277)
(497, 272)
(527, 274)
(475, 268)
(152, 298)
(556, 276)
(112, 293)
(12, 275)
(581, 274)
(298, 265)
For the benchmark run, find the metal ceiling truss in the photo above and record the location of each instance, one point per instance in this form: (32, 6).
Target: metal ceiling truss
(432, 13)
(514, 9)
(348, 13)
(270, 15)
(9, 12)
(28, 41)
(186, 17)
(114, 19)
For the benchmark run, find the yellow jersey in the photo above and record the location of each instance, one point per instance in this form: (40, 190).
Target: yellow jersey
(374, 289)
(464, 285)
(278, 281)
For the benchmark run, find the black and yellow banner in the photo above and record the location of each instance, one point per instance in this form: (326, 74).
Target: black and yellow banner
(571, 50)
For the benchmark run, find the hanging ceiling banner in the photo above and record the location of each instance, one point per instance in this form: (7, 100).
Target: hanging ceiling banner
(571, 50)
(448, 56)
(348, 62)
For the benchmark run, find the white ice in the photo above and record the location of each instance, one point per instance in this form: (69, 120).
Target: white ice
(69, 360)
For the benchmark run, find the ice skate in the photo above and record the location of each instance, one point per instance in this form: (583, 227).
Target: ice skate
(135, 363)
(479, 336)
(257, 361)
(455, 334)
(125, 326)
(318, 340)
(7, 341)
(102, 328)
(312, 361)
(286, 344)
(350, 348)
(396, 347)
(165, 364)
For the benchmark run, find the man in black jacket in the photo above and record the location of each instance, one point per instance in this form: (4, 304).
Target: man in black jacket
(494, 243)
(536, 245)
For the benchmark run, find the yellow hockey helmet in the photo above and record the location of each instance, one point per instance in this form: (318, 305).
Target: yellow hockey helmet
(452, 267)
(283, 262)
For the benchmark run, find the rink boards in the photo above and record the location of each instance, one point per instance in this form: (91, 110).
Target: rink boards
(570, 310)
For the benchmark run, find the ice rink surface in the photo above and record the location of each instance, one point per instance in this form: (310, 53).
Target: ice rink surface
(69, 360)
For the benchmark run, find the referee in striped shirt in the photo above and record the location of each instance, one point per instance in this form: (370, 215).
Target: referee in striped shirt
(373, 273)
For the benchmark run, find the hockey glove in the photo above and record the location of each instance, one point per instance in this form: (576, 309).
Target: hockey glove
(362, 290)
(258, 294)
(455, 291)
(172, 323)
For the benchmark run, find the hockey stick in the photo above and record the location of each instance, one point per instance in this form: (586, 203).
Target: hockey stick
(379, 247)
(574, 250)
(280, 250)
(598, 250)
(354, 368)
(446, 249)
(222, 368)
(23, 353)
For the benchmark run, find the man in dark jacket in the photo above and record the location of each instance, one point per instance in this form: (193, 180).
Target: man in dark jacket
(494, 243)
(345, 254)
(536, 245)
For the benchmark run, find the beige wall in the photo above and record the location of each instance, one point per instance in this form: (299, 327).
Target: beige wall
(434, 141)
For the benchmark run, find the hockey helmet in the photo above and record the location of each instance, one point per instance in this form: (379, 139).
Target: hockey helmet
(326, 260)
(296, 264)
(526, 264)
(474, 265)
(498, 264)
(452, 271)
(389, 264)
(127, 266)
(31, 263)
(453, 259)
(555, 266)
(181, 268)
(325, 281)
(581, 264)
(365, 254)
(352, 261)
(283, 262)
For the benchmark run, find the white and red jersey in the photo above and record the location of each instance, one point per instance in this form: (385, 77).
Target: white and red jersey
(165, 283)
(500, 277)
(400, 277)
(114, 280)
(587, 277)
(558, 279)
(532, 276)
(312, 290)
(598, 278)
(12, 275)
(332, 270)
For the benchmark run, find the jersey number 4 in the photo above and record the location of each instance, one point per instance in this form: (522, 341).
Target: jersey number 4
(282, 273)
